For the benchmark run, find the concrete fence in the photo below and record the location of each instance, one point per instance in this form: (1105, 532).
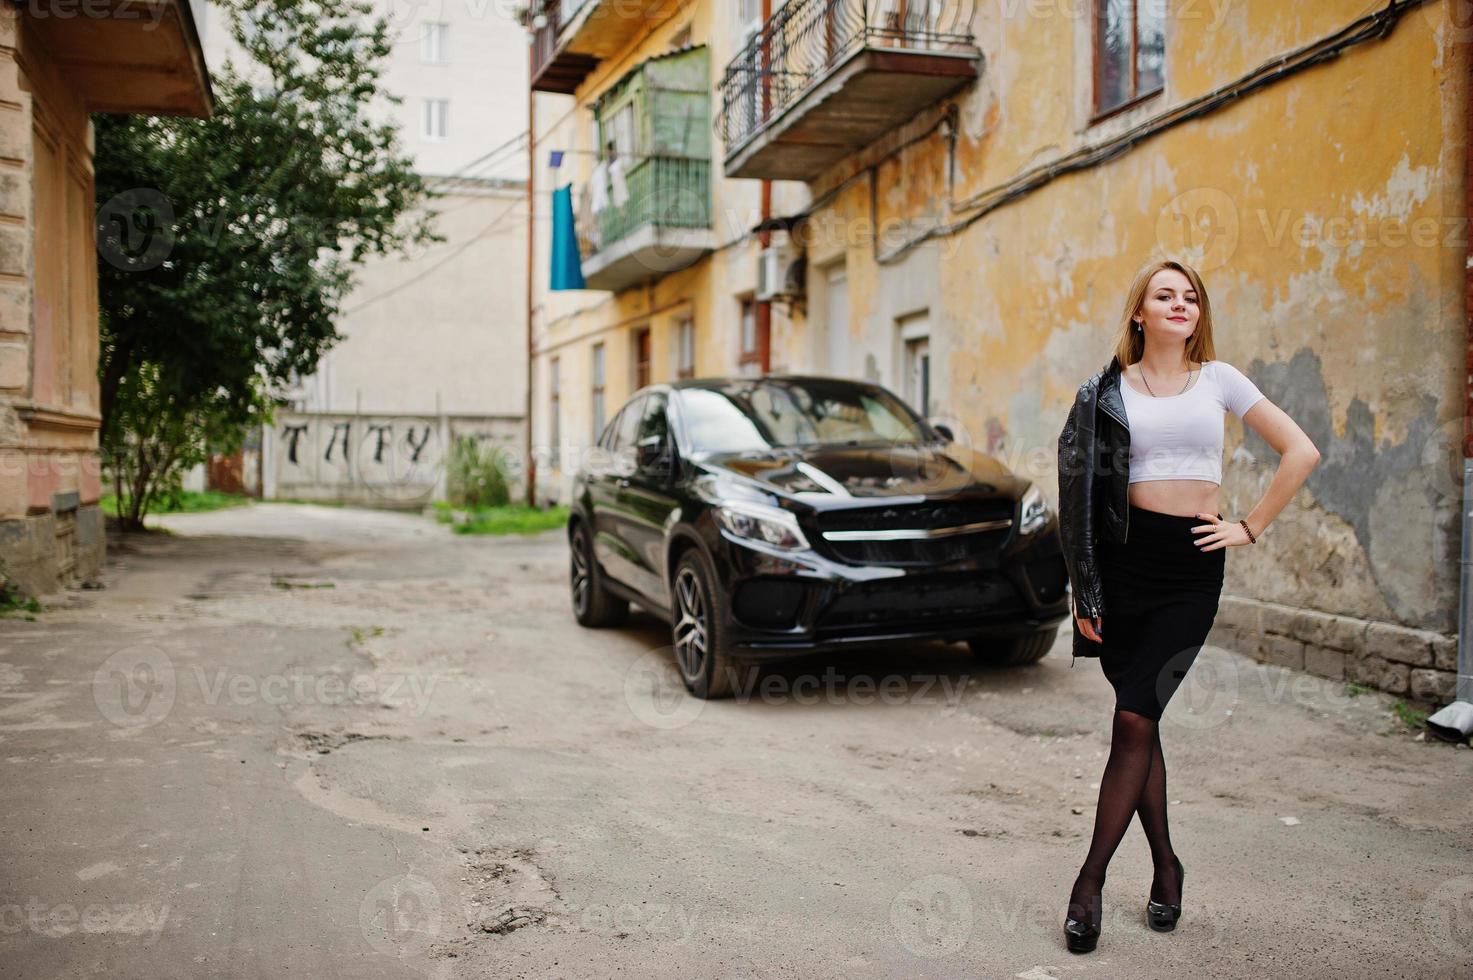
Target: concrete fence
(396, 461)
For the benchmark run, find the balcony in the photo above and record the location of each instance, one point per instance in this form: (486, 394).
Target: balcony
(664, 226)
(116, 56)
(577, 34)
(824, 78)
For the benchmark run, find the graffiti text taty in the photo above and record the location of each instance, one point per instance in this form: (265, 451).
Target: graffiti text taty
(416, 448)
(378, 449)
(293, 433)
(337, 427)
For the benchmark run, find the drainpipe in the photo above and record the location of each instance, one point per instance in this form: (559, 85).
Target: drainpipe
(1455, 722)
(531, 466)
(764, 307)
(764, 237)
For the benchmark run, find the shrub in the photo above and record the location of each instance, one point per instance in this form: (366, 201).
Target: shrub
(477, 475)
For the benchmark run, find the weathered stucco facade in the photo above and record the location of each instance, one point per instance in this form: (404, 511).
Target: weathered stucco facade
(55, 67)
(569, 325)
(1324, 200)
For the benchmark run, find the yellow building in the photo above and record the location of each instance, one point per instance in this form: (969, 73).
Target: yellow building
(970, 188)
(58, 63)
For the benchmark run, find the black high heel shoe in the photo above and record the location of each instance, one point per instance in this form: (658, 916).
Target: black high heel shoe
(1161, 916)
(1081, 935)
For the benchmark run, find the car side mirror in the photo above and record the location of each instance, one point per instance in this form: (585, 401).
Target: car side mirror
(943, 430)
(653, 455)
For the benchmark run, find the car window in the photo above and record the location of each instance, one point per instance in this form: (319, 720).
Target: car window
(745, 416)
(622, 436)
(655, 425)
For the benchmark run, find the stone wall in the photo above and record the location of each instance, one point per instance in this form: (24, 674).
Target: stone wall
(1419, 665)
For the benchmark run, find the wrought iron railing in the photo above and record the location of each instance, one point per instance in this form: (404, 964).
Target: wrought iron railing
(801, 43)
(667, 192)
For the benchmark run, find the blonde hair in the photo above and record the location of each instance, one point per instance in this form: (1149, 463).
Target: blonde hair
(1131, 343)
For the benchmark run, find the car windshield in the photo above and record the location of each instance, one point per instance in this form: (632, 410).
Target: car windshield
(770, 413)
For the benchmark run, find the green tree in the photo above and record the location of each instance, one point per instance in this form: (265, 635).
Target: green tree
(228, 244)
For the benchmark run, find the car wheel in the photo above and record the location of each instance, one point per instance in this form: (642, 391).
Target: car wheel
(1014, 651)
(698, 634)
(593, 604)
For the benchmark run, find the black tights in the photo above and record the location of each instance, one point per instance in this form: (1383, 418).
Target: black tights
(1134, 782)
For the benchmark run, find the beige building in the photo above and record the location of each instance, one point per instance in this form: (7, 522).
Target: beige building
(971, 188)
(672, 272)
(54, 71)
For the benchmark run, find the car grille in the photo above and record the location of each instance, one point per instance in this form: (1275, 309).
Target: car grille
(917, 534)
(918, 602)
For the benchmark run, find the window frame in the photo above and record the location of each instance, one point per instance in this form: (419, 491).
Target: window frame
(755, 356)
(435, 52)
(1136, 96)
(642, 349)
(426, 116)
(598, 388)
(685, 348)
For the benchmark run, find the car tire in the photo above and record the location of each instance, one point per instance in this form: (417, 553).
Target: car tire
(698, 614)
(1014, 651)
(593, 604)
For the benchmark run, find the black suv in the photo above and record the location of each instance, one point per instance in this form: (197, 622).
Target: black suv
(763, 517)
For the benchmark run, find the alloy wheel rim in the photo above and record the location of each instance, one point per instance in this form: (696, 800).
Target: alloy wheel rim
(581, 577)
(690, 624)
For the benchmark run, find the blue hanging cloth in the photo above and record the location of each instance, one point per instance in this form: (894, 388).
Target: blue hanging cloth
(567, 266)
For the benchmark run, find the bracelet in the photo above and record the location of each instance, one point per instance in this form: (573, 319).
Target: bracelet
(1251, 538)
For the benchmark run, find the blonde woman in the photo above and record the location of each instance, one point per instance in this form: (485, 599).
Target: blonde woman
(1140, 462)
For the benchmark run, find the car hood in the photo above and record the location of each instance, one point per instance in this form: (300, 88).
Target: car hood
(819, 474)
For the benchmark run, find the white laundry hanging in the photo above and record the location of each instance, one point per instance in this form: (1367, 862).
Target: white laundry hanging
(598, 181)
(621, 186)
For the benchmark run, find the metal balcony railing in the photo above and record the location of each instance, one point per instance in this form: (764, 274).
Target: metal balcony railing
(664, 191)
(806, 39)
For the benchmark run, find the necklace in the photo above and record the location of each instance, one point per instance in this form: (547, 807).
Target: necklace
(1148, 382)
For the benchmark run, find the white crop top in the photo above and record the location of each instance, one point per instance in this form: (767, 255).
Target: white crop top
(1179, 437)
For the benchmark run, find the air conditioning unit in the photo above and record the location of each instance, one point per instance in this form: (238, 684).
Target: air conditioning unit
(779, 271)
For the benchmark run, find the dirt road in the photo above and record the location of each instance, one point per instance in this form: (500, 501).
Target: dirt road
(318, 742)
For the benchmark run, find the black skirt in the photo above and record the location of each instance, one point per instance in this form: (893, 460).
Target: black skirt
(1161, 595)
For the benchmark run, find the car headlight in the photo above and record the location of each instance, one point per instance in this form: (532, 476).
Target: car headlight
(757, 522)
(1035, 511)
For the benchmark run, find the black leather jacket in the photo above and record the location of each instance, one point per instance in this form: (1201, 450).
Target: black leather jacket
(1094, 481)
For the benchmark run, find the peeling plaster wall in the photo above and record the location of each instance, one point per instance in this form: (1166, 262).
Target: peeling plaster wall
(1326, 214)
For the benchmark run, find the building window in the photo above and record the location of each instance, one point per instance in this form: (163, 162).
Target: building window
(436, 119)
(915, 338)
(1130, 46)
(754, 341)
(435, 48)
(836, 323)
(598, 390)
(641, 357)
(749, 18)
(685, 348)
(554, 409)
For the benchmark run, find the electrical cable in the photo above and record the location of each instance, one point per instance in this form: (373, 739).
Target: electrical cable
(423, 273)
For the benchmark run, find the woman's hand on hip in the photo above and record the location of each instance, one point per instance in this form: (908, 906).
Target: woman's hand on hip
(1224, 534)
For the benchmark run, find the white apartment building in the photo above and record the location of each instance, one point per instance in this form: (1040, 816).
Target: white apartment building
(440, 333)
